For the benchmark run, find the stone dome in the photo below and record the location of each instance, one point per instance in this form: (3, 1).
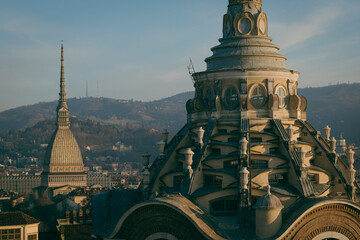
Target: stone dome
(63, 153)
(268, 201)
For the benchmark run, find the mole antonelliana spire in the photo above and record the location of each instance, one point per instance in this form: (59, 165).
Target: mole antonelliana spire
(63, 164)
(62, 109)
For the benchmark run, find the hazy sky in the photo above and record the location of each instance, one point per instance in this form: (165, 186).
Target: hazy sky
(140, 49)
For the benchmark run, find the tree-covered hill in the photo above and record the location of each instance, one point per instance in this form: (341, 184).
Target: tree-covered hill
(167, 113)
(99, 138)
(336, 105)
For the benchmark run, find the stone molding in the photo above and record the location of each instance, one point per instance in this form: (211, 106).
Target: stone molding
(329, 216)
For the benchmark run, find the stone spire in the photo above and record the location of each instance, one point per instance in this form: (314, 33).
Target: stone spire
(63, 164)
(62, 109)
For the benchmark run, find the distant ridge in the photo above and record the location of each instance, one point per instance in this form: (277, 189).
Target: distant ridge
(336, 105)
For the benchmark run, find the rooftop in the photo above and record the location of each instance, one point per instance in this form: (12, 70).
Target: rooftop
(16, 218)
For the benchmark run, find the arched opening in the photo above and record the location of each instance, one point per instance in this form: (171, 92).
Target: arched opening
(330, 236)
(157, 222)
(258, 96)
(225, 206)
(231, 98)
(161, 236)
(281, 93)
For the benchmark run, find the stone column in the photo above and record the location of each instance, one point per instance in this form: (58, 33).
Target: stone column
(146, 172)
(304, 162)
(351, 170)
(243, 146)
(200, 135)
(333, 145)
(290, 130)
(188, 171)
(161, 147)
(165, 135)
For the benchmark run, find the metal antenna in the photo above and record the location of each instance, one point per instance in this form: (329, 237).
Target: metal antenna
(191, 70)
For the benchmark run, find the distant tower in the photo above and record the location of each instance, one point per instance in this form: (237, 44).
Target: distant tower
(87, 89)
(63, 164)
(341, 146)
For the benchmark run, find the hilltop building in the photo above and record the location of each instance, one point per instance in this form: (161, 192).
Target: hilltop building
(246, 131)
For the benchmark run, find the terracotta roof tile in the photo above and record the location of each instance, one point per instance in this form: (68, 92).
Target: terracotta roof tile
(16, 218)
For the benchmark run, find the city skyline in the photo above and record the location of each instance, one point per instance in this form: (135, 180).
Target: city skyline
(117, 47)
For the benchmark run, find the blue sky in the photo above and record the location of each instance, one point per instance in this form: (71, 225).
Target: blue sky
(141, 49)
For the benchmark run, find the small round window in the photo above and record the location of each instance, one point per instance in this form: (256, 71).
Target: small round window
(258, 96)
(281, 93)
(244, 26)
(231, 98)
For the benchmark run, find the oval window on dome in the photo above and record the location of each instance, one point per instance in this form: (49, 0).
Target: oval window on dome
(231, 98)
(281, 93)
(258, 96)
(262, 26)
(244, 25)
(209, 99)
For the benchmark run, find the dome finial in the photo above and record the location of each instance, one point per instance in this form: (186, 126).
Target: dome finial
(268, 190)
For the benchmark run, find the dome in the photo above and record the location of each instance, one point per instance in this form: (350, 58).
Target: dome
(268, 201)
(250, 52)
(63, 153)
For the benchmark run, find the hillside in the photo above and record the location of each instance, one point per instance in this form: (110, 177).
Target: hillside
(336, 105)
(167, 113)
(100, 138)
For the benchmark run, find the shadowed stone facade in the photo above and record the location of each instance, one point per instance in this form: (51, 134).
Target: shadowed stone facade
(246, 131)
